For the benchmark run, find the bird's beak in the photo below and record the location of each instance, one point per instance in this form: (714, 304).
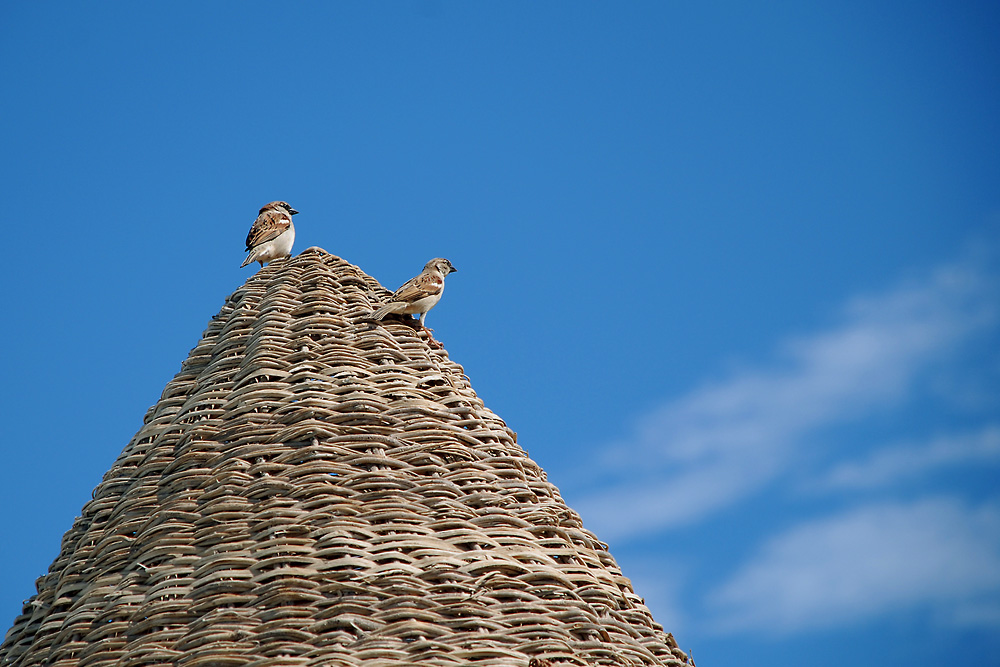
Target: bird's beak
(453, 270)
(293, 211)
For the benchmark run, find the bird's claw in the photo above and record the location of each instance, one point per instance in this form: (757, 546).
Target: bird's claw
(433, 342)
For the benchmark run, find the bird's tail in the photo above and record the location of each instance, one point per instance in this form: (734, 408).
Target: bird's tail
(246, 261)
(387, 309)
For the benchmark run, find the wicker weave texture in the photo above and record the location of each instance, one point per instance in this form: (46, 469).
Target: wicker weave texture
(315, 489)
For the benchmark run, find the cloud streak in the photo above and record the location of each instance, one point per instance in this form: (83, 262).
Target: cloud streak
(848, 568)
(708, 450)
(892, 465)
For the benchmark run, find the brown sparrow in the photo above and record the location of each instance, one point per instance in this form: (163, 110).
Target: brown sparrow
(272, 234)
(418, 295)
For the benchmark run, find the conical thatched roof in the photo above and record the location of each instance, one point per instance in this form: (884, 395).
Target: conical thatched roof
(314, 489)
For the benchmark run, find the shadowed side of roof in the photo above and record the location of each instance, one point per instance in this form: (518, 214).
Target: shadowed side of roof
(316, 489)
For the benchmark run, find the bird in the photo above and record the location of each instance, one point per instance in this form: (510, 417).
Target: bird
(272, 233)
(420, 293)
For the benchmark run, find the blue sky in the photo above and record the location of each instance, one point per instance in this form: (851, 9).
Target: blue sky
(731, 270)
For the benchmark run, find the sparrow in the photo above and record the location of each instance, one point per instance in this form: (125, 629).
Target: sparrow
(272, 233)
(418, 294)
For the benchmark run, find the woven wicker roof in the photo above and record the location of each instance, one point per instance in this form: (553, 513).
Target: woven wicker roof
(313, 489)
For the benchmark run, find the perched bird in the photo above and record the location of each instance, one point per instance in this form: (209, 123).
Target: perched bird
(272, 233)
(419, 294)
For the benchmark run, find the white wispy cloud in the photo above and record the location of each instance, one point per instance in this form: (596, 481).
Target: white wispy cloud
(867, 562)
(725, 441)
(902, 462)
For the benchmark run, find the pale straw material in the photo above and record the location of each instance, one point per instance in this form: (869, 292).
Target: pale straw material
(314, 489)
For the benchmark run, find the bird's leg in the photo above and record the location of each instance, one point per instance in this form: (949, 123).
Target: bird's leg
(430, 333)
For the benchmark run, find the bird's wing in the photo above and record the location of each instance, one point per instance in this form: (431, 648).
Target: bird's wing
(424, 285)
(268, 226)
